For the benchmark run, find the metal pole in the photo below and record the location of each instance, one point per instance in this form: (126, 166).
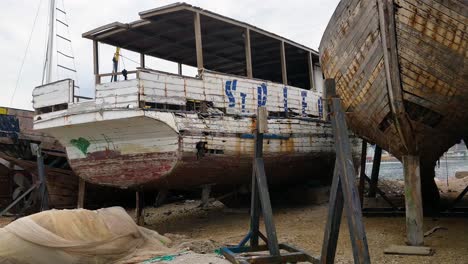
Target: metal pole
(375, 170)
(42, 178)
(362, 174)
(50, 42)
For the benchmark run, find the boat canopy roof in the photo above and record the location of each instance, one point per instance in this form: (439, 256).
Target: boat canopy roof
(169, 33)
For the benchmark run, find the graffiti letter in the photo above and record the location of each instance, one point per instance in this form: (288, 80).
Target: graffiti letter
(231, 86)
(243, 95)
(262, 94)
(320, 107)
(285, 99)
(304, 103)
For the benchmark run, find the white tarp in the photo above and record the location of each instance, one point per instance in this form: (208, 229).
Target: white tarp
(106, 235)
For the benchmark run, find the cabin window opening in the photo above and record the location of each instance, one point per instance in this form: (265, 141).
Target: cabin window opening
(49, 109)
(297, 67)
(386, 122)
(164, 106)
(223, 46)
(419, 113)
(201, 149)
(266, 57)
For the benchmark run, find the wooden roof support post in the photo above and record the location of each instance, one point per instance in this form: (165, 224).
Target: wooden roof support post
(248, 54)
(311, 72)
(142, 60)
(198, 41)
(284, 72)
(413, 201)
(179, 68)
(96, 61)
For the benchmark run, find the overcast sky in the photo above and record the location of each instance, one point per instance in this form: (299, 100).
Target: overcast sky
(302, 21)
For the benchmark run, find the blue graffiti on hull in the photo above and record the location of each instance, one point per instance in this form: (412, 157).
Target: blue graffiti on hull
(285, 99)
(243, 96)
(9, 126)
(262, 94)
(304, 103)
(320, 107)
(231, 86)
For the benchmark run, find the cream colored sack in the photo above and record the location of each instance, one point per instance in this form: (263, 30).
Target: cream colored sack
(107, 235)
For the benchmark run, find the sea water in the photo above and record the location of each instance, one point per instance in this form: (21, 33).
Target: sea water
(393, 170)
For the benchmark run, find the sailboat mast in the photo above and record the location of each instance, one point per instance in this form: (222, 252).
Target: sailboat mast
(50, 42)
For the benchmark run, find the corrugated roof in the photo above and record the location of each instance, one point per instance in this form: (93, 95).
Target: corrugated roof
(168, 32)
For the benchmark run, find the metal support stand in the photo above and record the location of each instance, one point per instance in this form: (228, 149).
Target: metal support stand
(205, 196)
(81, 193)
(43, 193)
(139, 206)
(261, 197)
(374, 189)
(362, 173)
(343, 193)
(375, 171)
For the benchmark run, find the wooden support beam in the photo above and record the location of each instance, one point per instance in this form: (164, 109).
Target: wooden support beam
(248, 55)
(346, 173)
(375, 171)
(362, 174)
(97, 79)
(332, 228)
(205, 197)
(284, 71)
(408, 250)
(198, 40)
(311, 72)
(386, 11)
(81, 193)
(413, 201)
(142, 60)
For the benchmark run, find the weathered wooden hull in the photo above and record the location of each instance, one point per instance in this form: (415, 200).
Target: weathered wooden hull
(146, 152)
(114, 141)
(401, 71)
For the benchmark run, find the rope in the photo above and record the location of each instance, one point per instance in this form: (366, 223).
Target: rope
(25, 53)
(129, 59)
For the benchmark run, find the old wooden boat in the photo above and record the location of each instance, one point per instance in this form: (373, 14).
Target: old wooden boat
(401, 71)
(18, 167)
(163, 130)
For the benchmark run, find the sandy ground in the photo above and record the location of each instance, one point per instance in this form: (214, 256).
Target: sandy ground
(303, 227)
(203, 230)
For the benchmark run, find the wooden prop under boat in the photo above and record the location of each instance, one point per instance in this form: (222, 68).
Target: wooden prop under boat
(401, 71)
